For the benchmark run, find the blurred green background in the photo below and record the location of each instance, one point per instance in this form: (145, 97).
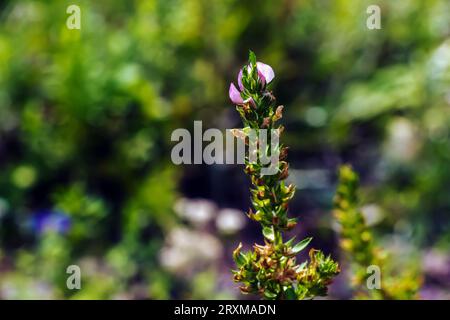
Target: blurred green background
(86, 117)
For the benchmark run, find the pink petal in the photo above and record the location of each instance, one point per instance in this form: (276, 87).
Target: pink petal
(241, 86)
(262, 78)
(235, 95)
(266, 71)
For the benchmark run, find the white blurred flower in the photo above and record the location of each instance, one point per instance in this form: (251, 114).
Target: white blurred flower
(230, 221)
(197, 211)
(372, 213)
(15, 286)
(403, 142)
(187, 250)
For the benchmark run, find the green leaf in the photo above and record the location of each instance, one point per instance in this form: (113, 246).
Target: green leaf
(240, 259)
(301, 245)
(269, 294)
(289, 243)
(268, 233)
(251, 58)
(290, 294)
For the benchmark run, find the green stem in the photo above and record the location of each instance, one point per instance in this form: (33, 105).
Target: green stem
(278, 237)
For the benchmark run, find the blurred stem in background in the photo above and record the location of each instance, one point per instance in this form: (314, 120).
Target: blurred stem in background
(358, 244)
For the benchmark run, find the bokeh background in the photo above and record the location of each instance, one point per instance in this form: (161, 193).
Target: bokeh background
(86, 117)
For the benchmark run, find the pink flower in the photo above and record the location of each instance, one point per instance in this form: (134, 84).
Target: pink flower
(265, 74)
(235, 94)
(265, 71)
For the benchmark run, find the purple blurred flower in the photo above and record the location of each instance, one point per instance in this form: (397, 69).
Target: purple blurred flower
(265, 74)
(47, 220)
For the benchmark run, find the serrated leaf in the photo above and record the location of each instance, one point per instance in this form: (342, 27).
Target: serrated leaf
(268, 233)
(301, 245)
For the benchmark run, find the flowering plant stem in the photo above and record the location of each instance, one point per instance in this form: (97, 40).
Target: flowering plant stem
(361, 250)
(270, 270)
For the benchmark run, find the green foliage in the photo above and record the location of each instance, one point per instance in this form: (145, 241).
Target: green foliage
(359, 245)
(315, 276)
(271, 270)
(86, 116)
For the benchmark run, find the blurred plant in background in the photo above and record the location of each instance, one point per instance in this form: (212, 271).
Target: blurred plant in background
(357, 242)
(86, 117)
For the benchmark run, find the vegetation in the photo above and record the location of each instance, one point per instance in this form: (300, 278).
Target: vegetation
(86, 117)
(270, 269)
